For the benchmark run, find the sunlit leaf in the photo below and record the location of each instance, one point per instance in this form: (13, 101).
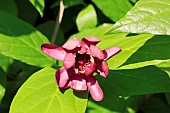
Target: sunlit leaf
(113, 9)
(21, 41)
(129, 46)
(147, 16)
(87, 18)
(155, 51)
(40, 94)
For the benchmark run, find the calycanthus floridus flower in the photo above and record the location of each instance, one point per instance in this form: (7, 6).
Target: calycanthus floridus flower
(81, 59)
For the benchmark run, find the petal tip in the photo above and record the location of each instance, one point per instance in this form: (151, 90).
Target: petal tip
(72, 44)
(94, 88)
(110, 52)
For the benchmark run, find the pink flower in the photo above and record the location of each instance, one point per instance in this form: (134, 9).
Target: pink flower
(81, 59)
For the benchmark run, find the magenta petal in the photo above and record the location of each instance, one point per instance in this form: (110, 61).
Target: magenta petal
(102, 69)
(89, 70)
(53, 51)
(94, 88)
(109, 52)
(72, 44)
(79, 83)
(84, 47)
(96, 51)
(91, 40)
(61, 77)
(69, 60)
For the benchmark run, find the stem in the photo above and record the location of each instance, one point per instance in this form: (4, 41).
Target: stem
(58, 21)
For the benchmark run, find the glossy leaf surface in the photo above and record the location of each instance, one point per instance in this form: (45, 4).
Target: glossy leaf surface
(147, 16)
(40, 94)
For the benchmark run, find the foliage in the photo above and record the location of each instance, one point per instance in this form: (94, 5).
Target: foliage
(138, 80)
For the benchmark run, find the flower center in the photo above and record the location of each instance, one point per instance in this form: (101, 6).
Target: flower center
(82, 60)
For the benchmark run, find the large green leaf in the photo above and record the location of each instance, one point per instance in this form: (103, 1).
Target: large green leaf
(21, 41)
(39, 5)
(113, 9)
(40, 94)
(9, 6)
(122, 83)
(87, 18)
(147, 16)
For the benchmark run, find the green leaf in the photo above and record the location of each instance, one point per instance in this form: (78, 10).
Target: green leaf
(39, 5)
(129, 46)
(40, 94)
(155, 51)
(5, 62)
(2, 92)
(113, 9)
(21, 41)
(87, 18)
(98, 32)
(8, 6)
(165, 66)
(146, 17)
(137, 81)
(122, 83)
